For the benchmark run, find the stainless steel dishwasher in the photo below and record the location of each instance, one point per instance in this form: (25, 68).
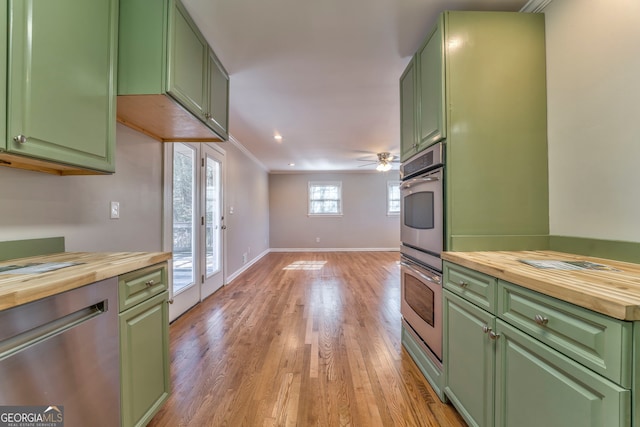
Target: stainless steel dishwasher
(64, 351)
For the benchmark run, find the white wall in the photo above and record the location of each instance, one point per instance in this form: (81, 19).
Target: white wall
(34, 204)
(364, 224)
(593, 85)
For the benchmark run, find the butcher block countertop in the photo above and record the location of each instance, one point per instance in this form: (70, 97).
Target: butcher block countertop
(614, 291)
(17, 288)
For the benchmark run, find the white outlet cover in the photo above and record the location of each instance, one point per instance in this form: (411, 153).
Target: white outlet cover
(115, 210)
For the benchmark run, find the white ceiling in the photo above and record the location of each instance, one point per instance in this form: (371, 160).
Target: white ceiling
(322, 73)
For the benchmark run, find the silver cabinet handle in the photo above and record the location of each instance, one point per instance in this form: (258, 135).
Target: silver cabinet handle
(463, 284)
(541, 320)
(21, 139)
(150, 283)
(493, 335)
(486, 329)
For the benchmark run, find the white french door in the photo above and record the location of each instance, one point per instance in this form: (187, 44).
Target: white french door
(195, 223)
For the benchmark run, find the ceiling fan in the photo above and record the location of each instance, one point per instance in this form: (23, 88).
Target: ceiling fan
(385, 159)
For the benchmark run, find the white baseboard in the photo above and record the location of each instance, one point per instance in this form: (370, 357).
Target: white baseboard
(231, 277)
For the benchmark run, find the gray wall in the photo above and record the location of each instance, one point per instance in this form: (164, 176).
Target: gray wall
(34, 204)
(593, 64)
(248, 193)
(364, 224)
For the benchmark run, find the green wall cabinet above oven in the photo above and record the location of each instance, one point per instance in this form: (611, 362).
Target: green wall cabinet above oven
(478, 84)
(422, 110)
(171, 85)
(60, 85)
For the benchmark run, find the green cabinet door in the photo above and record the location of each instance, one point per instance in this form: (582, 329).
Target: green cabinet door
(188, 57)
(430, 63)
(144, 349)
(469, 360)
(537, 386)
(61, 81)
(408, 141)
(3, 74)
(218, 97)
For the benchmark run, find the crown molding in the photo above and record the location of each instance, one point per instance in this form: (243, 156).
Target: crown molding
(247, 153)
(534, 6)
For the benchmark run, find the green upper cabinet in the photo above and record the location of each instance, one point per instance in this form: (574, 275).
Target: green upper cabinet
(408, 143)
(496, 147)
(170, 83)
(60, 90)
(187, 78)
(430, 63)
(3, 74)
(217, 114)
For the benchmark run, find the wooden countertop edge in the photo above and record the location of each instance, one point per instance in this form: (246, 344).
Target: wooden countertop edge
(22, 289)
(622, 308)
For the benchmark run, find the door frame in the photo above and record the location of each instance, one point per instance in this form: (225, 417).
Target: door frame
(167, 219)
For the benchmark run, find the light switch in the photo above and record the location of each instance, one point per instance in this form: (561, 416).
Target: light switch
(230, 210)
(115, 210)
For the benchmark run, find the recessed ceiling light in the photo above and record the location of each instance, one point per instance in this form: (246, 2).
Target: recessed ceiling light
(277, 137)
(292, 164)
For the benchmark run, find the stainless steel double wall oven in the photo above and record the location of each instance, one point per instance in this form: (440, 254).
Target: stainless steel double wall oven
(422, 236)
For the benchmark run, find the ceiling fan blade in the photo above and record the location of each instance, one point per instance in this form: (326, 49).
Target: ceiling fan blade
(368, 164)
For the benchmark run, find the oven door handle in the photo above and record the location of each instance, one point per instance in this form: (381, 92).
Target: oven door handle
(409, 183)
(419, 273)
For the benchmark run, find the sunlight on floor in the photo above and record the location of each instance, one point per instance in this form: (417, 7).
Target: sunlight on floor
(305, 265)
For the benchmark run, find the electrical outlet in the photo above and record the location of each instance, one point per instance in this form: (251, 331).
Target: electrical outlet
(114, 212)
(244, 258)
(317, 240)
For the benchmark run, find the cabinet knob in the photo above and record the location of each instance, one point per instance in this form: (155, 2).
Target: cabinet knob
(463, 284)
(170, 301)
(493, 335)
(150, 283)
(541, 320)
(486, 329)
(207, 116)
(21, 139)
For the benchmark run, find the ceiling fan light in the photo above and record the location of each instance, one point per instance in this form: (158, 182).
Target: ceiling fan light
(383, 167)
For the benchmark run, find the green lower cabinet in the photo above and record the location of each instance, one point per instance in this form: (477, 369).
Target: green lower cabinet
(537, 386)
(144, 347)
(532, 360)
(469, 360)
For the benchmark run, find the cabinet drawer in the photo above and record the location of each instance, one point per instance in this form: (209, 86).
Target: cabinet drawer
(140, 285)
(475, 287)
(598, 342)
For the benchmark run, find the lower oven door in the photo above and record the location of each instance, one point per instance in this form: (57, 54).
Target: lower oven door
(421, 304)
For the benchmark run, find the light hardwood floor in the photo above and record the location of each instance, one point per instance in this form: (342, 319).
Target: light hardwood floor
(300, 339)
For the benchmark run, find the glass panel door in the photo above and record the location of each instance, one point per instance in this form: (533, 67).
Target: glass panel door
(213, 221)
(196, 222)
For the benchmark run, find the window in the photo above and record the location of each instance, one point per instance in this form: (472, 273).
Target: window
(325, 198)
(393, 197)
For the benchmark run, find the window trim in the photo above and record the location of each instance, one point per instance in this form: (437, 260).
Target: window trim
(390, 184)
(311, 184)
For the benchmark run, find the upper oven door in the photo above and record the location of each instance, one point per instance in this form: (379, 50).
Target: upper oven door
(422, 211)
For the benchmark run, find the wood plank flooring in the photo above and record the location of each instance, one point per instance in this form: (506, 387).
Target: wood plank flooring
(301, 339)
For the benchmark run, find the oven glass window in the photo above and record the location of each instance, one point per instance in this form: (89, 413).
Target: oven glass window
(418, 210)
(419, 297)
